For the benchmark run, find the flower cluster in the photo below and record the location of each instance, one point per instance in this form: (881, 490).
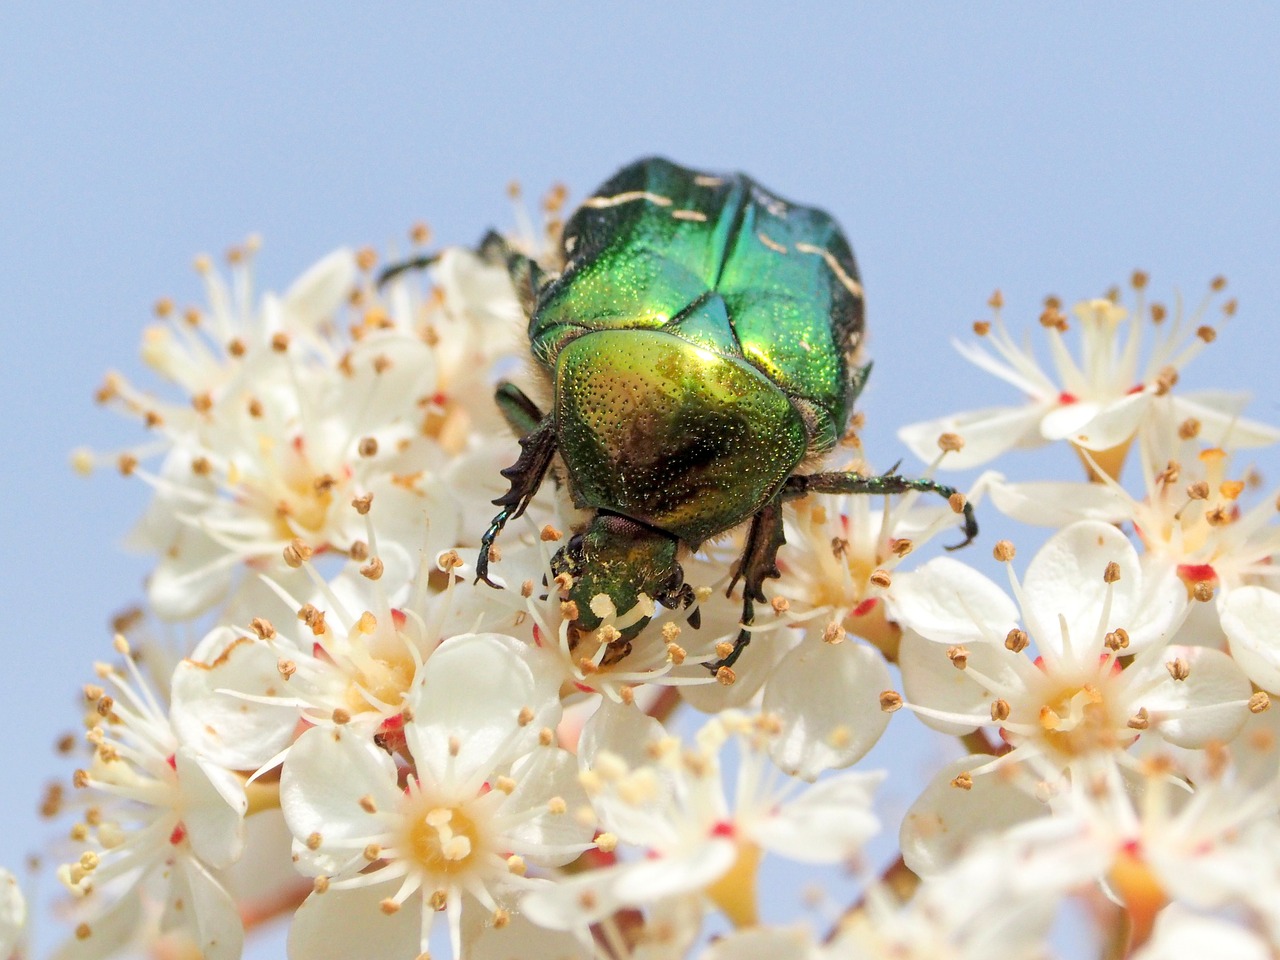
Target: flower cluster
(405, 761)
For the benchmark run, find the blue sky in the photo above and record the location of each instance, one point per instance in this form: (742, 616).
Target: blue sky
(964, 147)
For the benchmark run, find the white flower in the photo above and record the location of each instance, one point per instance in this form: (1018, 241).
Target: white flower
(699, 834)
(1085, 602)
(1099, 401)
(1183, 935)
(488, 794)
(167, 817)
(354, 662)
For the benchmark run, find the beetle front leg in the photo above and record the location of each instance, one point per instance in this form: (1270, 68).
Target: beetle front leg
(759, 563)
(521, 413)
(536, 451)
(884, 485)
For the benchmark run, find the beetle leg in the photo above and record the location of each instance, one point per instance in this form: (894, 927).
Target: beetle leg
(883, 484)
(759, 562)
(521, 413)
(536, 450)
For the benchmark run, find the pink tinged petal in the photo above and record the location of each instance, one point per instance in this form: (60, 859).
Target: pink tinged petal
(1220, 422)
(828, 823)
(518, 938)
(318, 293)
(695, 867)
(213, 808)
(827, 697)
(946, 819)
(1058, 504)
(228, 729)
(468, 705)
(349, 924)
(1115, 423)
(13, 913)
(550, 839)
(930, 680)
(110, 931)
(1251, 619)
(1065, 579)
(199, 906)
(949, 602)
(326, 775)
(765, 943)
(1214, 697)
(987, 434)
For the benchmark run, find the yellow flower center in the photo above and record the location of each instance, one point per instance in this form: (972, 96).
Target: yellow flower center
(443, 840)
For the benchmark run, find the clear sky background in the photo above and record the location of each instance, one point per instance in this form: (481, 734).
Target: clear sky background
(962, 146)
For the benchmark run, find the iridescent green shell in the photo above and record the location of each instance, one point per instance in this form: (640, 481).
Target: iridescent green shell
(700, 340)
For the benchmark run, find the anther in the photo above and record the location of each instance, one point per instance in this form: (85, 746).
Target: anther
(1112, 572)
(1198, 490)
(963, 781)
(550, 534)
(373, 569)
(890, 701)
(999, 710)
(1260, 702)
(388, 906)
(1178, 668)
(367, 804)
(726, 677)
(280, 342)
(950, 442)
(1202, 592)
(297, 553)
(1004, 551)
(362, 504)
(1016, 640)
(1189, 429)
(1138, 279)
(676, 653)
(262, 627)
(341, 716)
(525, 716)
(1140, 720)
(833, 633)
(286, 667)
(881, 579)
(358, 551)
(1118, 639)
(314, 840)
(959, 657)
(981, 327)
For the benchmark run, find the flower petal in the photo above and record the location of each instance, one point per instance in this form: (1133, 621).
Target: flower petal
(349, 924)
(828, 823)
(1251, 619)
(827, 697)
(1208, 705)
(987, 433)
(947, 601)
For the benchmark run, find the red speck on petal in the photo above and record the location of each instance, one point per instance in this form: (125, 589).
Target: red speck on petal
(537, 635)
(1133, 848)
(440, 398)
(172, 761)
(1065, 398)
(1197, 573)
(724, 828)
(865, 607)
(1136, 388)
(484, 788)
(584, 688)
(398, 618)
(1038, 662)
(298, 443)
(390, 734)
(179, 834)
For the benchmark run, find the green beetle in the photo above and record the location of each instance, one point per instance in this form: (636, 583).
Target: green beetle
(700, 347)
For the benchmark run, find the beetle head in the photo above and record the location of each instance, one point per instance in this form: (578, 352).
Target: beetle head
(621, 559)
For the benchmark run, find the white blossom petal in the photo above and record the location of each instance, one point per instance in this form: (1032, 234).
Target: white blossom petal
(342, 924)
(827, 697)
(828, 823)
(950, 602)
(987, 434)
(213, 808)
(1251, 619)
(1213, 697)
